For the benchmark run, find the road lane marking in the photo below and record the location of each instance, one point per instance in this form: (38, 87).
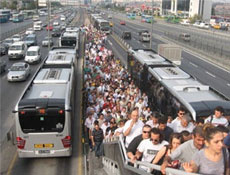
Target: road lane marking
(193, 64)
(12, 163)
(210, 74)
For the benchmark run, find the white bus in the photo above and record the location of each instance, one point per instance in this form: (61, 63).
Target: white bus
(69, 39)
(44, 112)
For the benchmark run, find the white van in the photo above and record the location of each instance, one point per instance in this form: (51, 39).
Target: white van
(37, 25)
(17, 50)
(33, 55)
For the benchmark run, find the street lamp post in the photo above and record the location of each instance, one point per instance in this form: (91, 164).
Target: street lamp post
(151, 36)
(49, 25)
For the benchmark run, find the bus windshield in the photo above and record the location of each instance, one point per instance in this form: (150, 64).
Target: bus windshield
(68, 41)
(32, 121)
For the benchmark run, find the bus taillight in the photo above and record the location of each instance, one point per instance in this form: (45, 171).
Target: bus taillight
(66, 141)
(20, 143)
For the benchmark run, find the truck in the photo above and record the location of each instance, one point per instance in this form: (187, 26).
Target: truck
(171, 52)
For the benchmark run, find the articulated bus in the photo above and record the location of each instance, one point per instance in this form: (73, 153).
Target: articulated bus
(169, 87)
(103, 25)
(18, 17)
(44, 113)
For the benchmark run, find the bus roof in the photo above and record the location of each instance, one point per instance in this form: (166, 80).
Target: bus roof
(49, 83)
(61, 55)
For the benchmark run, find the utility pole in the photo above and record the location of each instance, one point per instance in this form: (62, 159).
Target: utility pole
(49, 24)
(151, 35)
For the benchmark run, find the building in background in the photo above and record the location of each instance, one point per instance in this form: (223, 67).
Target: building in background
(203, 8)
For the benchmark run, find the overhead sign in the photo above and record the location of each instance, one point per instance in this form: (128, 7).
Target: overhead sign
(42, 3)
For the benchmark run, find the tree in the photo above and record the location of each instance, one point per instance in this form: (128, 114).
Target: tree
(195, 18)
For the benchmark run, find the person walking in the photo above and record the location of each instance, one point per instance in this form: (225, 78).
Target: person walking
(97, 140)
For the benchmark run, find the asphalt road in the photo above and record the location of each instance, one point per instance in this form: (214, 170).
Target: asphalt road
(207, 73)
(44, 166)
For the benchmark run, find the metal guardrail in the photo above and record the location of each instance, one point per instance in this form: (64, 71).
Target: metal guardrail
(126, 161)
(14, 31)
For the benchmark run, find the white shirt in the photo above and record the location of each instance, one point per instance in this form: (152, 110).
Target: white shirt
(104, 127)
(120, 130)
(174, 123)
(217, 121)
(149, 150)
(89, 122)
(179, 128)
(135, 131)
(150, 122)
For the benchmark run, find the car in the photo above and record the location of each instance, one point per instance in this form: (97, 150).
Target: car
(55, 23)
(31, 40)
(109, 17)
(185, 37)
(17, 37)
(144, 35)
(17, 50)
(203, 25)
(2, 66)
(122, 22)
(30, 31)
(18, 72)
(45, 42)
(126, 35)
(8, 42)
(56, 32)
(33, 55)
(49, 27)
(3, 49)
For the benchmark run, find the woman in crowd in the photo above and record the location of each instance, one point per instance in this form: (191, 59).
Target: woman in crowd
(175, 140)
(214, 158)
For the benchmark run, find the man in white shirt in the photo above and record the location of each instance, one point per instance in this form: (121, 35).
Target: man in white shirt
(217, 118)
(153, 122)
(177, 120)
(132, 128)
(88, 128)
(184, 125)
(148, 148)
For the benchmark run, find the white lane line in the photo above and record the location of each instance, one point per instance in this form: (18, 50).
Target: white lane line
(110, 43)
(210, 74)
(228, 84)
(193, 64)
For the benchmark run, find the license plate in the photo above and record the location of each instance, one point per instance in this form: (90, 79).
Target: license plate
(47, 145)
(44, 151)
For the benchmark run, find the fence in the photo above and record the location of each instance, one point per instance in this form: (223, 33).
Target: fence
(111, 147)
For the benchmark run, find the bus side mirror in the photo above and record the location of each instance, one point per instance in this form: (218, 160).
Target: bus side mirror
(14, 111)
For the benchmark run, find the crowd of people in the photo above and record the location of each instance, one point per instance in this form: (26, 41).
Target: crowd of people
(116, 106)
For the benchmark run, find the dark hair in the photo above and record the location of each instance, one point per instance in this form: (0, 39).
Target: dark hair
(181, 109)
(177, 136)
(200, 120)
(96, 122)
(162, 120)
(219, 108)
(223, 128)
(185, 133)
(147, 126)
(198, 130)
(157, 132)
(209, 131)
